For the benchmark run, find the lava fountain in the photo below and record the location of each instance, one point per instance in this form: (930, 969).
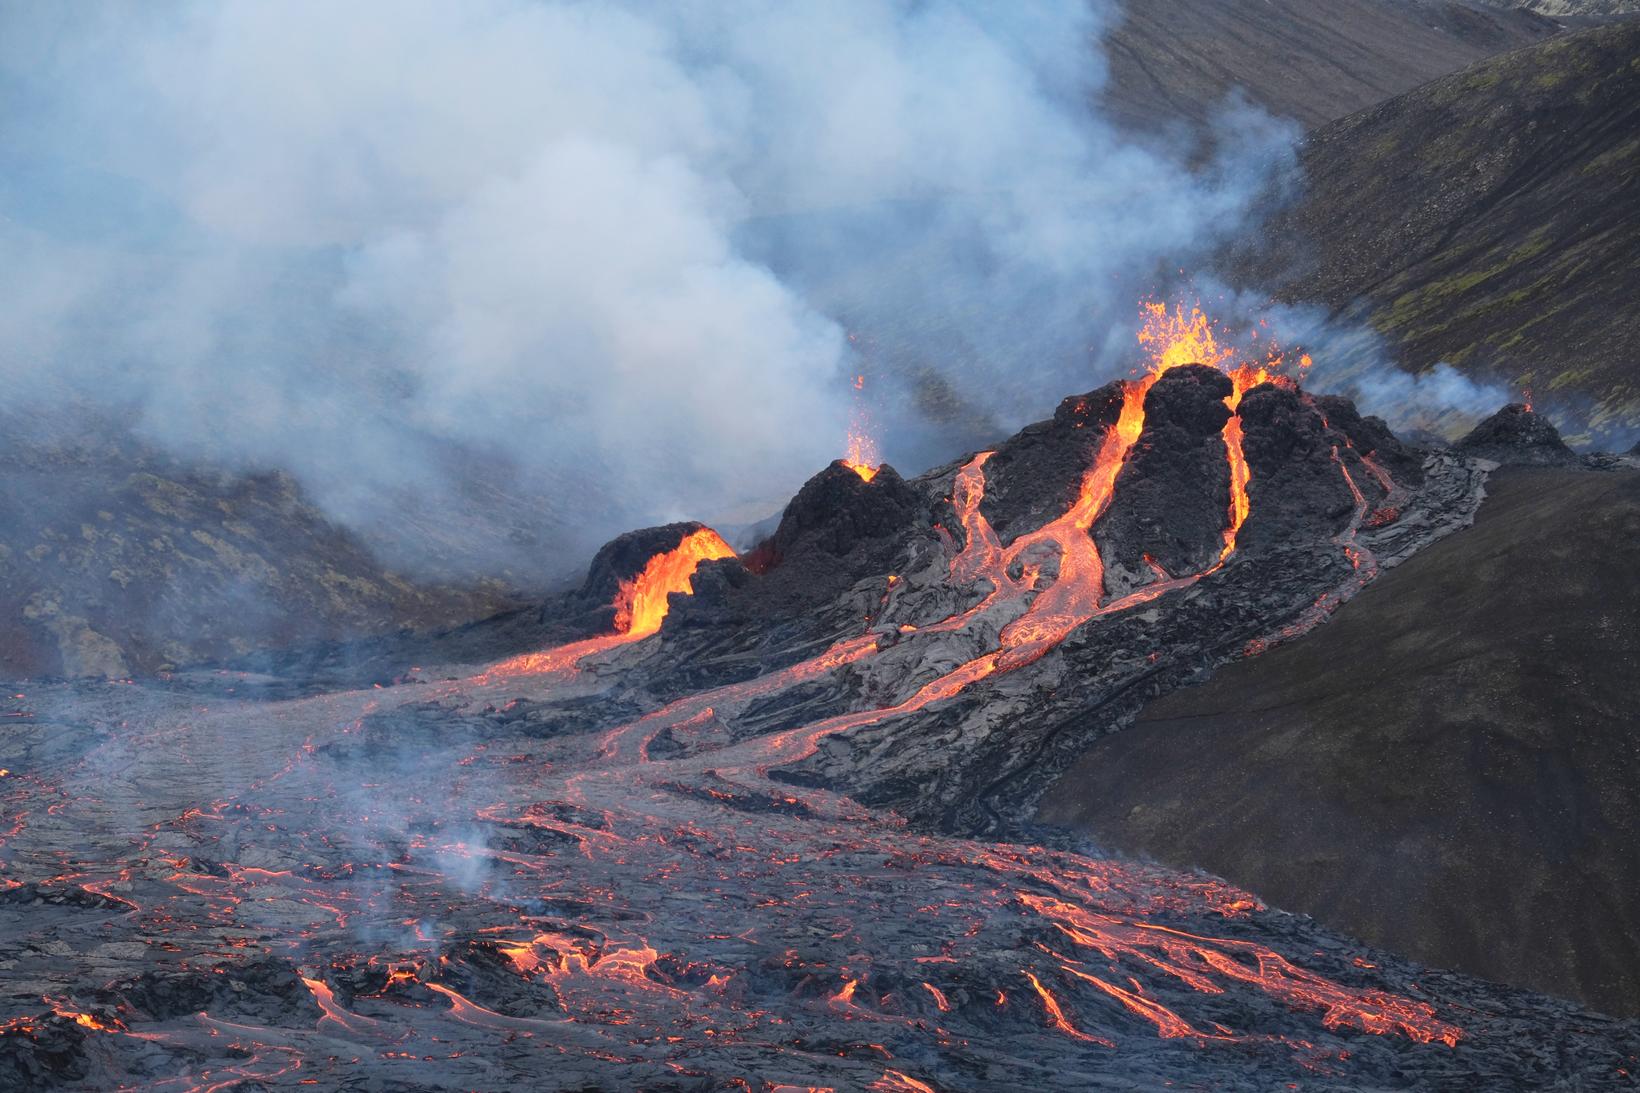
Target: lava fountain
(862, 457)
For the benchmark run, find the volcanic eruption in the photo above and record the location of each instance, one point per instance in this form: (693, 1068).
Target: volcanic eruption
(765, 824)
(862, 456)
(641, 599)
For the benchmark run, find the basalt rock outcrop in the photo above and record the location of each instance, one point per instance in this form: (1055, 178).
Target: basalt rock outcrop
(1172, 498)
(843, 524)
(1517, 435)
(1301, 469)
(837, 530)
(1371, 437)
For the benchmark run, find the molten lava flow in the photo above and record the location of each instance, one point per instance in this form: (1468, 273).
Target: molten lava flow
(1197, 961)
(1242, 379)
(640, 606)
(1056, 1015)
(1174, 338)
(1169, 1025)
(572, 841)
(1077, 594)
(333, 1012)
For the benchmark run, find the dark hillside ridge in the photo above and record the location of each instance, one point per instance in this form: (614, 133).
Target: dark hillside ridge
(117, 561)
(1572, 9)
(1310, 60)
(1490, 219)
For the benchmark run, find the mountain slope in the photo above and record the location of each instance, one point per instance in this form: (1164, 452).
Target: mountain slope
(1312, 60)
(1490, 219)
(115, 560)
(1573, 9)
(1446, 769)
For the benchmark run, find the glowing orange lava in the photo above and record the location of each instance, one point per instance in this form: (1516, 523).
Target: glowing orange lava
(640, 606)
(1056, 1015)
(862, 456)
(862, 453)
(1174, 337)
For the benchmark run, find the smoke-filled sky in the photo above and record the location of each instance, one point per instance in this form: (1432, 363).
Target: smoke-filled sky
(614, 263)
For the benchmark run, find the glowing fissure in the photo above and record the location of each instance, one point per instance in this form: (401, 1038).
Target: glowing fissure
(640, 606)
(1243, 379)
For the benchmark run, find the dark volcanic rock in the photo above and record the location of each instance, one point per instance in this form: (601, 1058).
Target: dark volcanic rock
(1295, 480)
(837, 510)
(590, 611)
(837, 529)
(1036, 474)
(1517, 435)
(1172, 498)
(1371, 437)
(264, 991)
(45, 1054)
(715, 583)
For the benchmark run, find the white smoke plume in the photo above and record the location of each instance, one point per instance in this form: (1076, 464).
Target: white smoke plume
(1351, 358)
(549, 269)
